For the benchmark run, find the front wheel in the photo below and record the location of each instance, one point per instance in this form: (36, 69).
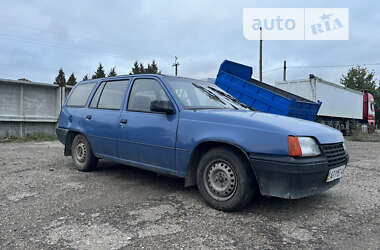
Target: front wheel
(83, 158)
(225, 180)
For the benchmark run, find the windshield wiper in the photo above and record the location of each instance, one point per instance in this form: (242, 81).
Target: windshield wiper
(231, 98)
(200, 108)
(209, 93)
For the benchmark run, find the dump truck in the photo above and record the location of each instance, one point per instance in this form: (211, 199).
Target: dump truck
(235, 79)
(311, 99)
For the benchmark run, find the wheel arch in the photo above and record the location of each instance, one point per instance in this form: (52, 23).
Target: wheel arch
(69, 141)
(201, 149)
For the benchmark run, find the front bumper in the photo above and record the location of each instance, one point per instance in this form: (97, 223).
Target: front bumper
(292, 178)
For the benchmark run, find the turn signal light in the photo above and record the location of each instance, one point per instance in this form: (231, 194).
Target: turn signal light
(294, 146)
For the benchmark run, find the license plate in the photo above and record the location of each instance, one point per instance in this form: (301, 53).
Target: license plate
(335, 173)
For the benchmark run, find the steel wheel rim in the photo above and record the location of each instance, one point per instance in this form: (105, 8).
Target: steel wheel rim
(220, 180)
(81, 151)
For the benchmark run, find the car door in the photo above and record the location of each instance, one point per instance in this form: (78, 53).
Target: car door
(103, 117)
(147, 137)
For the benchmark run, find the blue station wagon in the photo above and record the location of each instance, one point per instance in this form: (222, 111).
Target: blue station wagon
(194, 130)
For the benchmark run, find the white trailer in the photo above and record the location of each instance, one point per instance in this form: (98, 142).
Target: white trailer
(341, 107)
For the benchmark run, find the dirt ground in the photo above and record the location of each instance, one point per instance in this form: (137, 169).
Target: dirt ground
(46, 204)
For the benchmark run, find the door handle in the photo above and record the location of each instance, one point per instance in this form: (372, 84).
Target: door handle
(89, 117)
(123, 121)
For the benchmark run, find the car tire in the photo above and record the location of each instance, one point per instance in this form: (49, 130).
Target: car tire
(225, 180)
(81, 152)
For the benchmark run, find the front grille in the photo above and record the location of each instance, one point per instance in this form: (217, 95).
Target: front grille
(335, 154)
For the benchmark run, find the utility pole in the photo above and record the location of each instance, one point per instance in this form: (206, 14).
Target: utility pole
(261, 55)
(175, 65)
(284, 70)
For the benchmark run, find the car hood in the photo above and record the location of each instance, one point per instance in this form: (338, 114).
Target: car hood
(276, 124)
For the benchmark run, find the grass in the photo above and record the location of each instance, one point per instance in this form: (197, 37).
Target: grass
(28, 138)
(357, 135)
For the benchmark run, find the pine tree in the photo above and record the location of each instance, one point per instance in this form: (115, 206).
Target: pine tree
(60, 79)
(148, 70)
(141, 69)
(138, 68)
(154, 68)
(85, 78)
(112, 72)
(135, 69)
(72, 80)
(99, 72)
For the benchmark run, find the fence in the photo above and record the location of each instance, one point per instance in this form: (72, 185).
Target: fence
(28, 108)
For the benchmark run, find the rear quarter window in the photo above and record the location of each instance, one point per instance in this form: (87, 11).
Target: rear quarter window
(80, 95)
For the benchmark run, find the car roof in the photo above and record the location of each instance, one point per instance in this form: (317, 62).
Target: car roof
(120, 77)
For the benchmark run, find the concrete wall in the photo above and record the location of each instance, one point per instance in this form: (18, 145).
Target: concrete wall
(28, 108)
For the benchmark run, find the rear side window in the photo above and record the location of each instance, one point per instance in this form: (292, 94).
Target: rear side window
(112, 94)
(80, 95)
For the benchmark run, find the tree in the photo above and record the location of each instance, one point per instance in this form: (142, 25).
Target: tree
(359, 78)
(72, 80)
(85, 78)
(112, 72)
(154, 68)
(60, 79)
(141, 69)
(135, 69)
(138, 68)
(99, 73)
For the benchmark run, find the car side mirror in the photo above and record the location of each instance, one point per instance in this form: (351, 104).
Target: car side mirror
(162, 107)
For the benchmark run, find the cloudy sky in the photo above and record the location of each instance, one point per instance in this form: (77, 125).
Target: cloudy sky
(39, 37)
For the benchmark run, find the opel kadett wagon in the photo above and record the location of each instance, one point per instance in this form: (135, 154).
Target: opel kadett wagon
(194, 130)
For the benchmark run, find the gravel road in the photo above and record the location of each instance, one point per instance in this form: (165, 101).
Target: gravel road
(46, 204)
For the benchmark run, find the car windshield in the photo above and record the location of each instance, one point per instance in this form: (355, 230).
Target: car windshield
(195, 94)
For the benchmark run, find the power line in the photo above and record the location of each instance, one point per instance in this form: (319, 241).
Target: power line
(321, 66)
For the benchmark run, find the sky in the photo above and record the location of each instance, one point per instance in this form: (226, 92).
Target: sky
(39, 37)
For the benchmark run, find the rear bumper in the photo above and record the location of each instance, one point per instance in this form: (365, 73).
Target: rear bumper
(291, 178)
(62, 134)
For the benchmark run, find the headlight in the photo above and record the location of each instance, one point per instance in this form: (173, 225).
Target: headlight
(303, 146)
(344, 147)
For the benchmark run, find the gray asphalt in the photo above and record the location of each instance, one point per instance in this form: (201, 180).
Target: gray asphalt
(46, 204)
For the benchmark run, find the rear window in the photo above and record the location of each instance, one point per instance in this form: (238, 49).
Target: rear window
(80, 95)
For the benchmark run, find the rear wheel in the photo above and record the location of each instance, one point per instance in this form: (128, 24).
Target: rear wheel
(225, 180)
(83, 158)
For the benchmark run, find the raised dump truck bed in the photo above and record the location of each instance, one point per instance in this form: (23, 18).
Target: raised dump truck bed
(235, 79)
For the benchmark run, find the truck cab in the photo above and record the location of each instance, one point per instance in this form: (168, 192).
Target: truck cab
(369, 110)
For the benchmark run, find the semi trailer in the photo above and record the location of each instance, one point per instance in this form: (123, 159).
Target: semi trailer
(311, 99)
(342, 108)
